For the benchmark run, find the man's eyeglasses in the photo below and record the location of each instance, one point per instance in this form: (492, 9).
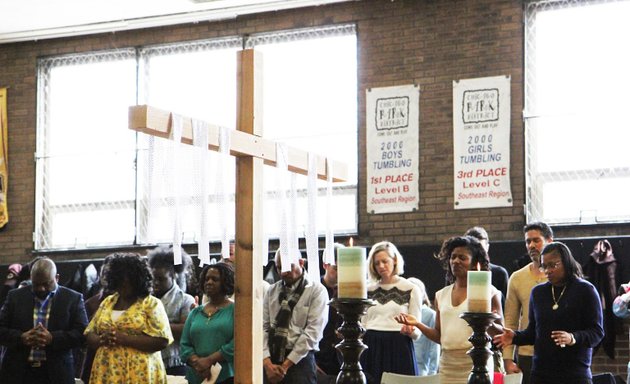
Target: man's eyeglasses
(550, 266)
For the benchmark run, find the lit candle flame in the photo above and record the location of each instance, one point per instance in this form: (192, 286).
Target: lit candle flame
(351, 241)
(478, 268)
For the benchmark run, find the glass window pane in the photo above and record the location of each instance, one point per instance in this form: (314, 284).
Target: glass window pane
(200, 84)
(89, 105)
(312, 105)
(576, 125)
(77, 229)
(605, 207)
(197, 84)
(88, 154)
(579, 66)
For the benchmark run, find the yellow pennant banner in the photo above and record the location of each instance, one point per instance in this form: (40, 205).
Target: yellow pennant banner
(4, 158)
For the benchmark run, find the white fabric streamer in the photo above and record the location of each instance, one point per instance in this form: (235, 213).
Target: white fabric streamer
(293, 235)
(158, 194)
(283, 211)
(177, 225)
(152, 198)
(312, 246)
(222, 191)
(200, 140)
(329, 255)
(264, 247)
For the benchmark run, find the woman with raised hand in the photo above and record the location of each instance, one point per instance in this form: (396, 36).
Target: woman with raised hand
(458, 255)
(565, 321)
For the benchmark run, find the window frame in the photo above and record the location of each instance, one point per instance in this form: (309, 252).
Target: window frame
(42, 231)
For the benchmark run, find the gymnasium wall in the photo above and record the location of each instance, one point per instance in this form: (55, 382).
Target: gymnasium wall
(424, 42)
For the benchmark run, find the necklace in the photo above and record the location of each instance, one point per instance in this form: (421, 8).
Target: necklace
(213, 309)
(553, 295)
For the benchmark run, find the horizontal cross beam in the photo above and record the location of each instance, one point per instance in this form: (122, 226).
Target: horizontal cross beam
(157, 122)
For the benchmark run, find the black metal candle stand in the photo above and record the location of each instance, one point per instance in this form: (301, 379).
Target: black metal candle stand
(480, 352)
(351, 347)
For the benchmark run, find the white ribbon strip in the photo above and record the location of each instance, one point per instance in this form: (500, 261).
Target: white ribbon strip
(200, 140)
(312, 246)
(264, 247)
(151, 181)
(282, 170)
(222, 191)
(177, 225)
(329, 255)
(293, 236)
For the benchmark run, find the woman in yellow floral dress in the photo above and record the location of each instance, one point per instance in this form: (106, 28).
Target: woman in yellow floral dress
(130, 327)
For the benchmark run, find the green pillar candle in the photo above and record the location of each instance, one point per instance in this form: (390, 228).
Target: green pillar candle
(479, 291)
(351, 273)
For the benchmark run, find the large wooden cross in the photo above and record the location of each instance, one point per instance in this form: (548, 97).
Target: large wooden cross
(252, 151)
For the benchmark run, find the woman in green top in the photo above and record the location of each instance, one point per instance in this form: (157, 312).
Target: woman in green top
(208, 335)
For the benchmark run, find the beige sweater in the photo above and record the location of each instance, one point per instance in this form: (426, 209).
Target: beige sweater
(517, 306)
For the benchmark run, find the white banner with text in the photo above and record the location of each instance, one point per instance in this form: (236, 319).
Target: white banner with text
(481, 142)
(392, 124)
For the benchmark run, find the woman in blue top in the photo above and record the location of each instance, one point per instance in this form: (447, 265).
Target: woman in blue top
(427, 351)
(208, 335)
(565, 322)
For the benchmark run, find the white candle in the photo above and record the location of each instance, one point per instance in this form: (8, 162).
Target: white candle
(479, 291)
(351, 273)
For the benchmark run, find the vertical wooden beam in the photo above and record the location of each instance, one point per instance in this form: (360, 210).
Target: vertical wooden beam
(248, 242)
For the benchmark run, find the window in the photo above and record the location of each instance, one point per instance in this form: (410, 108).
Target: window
(310, 102)
(203, 85)
(92, 183)
(578, 168)
(85, 156)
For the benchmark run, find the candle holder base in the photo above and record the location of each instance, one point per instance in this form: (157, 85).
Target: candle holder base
(480, 352)
(351, 347)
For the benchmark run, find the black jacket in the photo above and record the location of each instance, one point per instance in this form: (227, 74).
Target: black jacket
(66, 323)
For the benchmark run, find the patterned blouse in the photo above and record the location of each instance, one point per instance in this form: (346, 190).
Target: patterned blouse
(120, 364)
(391, 300)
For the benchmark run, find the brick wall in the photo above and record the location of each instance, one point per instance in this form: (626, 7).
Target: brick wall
(432, 43)
(426, 42)
(617, 366)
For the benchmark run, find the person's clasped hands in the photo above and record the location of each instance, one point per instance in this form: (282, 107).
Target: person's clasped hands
(202, 365)
(37, 337)
(108, 337)
(275, 372)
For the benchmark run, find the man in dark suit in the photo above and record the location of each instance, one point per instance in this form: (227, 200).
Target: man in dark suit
(40, 325)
